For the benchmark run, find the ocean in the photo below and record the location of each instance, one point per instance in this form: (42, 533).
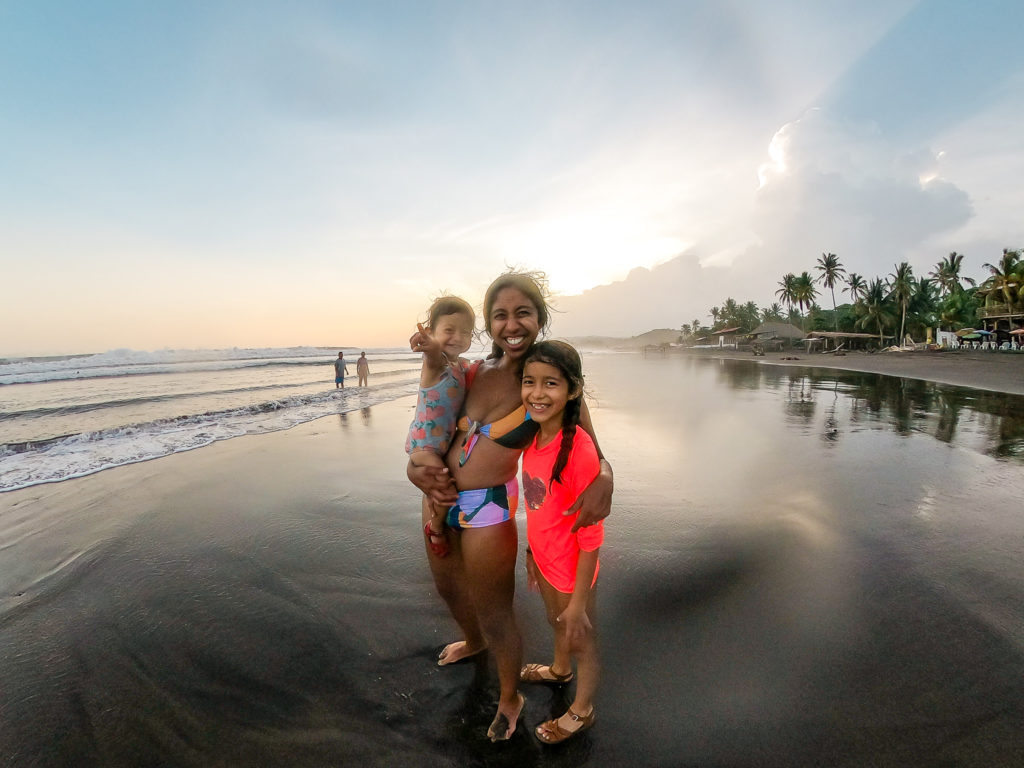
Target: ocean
(69, 416)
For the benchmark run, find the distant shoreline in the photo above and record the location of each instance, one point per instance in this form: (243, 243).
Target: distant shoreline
(992, 371)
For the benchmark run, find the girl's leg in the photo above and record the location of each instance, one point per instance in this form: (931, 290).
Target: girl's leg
(554, 603)
(450, 579)
(489, 556)
(588, 668)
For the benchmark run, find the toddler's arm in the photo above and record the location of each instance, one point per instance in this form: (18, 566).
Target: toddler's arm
(433, 357)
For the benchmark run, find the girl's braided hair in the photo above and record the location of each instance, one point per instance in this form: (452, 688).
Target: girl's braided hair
(567, 360)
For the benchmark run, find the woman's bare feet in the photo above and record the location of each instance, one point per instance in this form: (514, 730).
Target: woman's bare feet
(457, 651)
(506, 719)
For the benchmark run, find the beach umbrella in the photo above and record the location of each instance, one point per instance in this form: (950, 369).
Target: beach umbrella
(1018, 331)
(964, 331)
(971, 336)
(984, 333)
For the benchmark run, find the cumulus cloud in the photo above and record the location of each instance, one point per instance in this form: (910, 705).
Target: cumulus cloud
(837, 186)
(827, 185)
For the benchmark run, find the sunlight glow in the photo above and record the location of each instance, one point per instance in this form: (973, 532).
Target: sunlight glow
(589, 249)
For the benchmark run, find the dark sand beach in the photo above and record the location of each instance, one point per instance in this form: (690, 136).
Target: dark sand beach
(799, 570)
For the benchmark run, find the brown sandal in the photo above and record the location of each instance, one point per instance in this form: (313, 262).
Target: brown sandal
(541, 673)
(550, 732)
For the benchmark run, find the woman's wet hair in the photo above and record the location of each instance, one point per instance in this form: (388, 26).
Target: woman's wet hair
(449, 305)
(567, 360)
(533, 285)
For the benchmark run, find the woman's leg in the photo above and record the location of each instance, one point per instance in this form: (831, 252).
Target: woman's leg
(489, 558)
(450, 579)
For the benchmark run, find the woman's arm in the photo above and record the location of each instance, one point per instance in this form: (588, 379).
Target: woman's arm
(574, 617)
(595, 503)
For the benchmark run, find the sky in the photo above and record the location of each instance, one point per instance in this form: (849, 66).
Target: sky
(221, 174)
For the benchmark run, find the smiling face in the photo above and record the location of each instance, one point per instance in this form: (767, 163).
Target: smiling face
(513, 322)
(454, 333)
(545, 391)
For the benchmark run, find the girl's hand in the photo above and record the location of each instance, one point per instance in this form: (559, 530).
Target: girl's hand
(531, 573)
(435, 482)
(577, 625)
(595, 503)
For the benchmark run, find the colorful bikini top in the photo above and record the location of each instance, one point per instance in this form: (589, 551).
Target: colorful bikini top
(516, 430)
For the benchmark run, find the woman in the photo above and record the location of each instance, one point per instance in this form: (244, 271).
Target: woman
(477, 578)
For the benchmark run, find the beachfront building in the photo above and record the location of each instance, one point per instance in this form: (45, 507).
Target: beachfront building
(727, 337)
(826, 341)
(777, 335)
(999, 320)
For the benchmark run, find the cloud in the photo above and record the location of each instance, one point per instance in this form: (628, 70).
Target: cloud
(836, 186)
(828, 185)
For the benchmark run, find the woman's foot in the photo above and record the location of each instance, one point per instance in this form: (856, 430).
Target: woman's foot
(458, 651)
(565, 727)
(506, 719)
(436, 540)
(543, 673)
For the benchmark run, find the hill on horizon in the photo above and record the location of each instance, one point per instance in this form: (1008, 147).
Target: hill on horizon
(655, 336)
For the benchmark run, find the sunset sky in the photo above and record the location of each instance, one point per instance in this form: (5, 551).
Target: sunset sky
(213, 174)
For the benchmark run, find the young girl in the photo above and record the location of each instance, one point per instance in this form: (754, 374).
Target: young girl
(559, 464)
(450, 323)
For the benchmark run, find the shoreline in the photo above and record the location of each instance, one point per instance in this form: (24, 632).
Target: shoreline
(991, 371)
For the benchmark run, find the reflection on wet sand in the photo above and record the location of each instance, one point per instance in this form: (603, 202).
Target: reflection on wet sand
(903, 405)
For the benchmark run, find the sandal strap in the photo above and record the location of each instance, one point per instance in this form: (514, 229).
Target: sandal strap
(532, 673)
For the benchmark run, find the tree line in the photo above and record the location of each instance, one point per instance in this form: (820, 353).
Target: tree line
(896, 305)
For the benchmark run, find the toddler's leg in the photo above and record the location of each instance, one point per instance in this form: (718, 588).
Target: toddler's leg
(434, 530)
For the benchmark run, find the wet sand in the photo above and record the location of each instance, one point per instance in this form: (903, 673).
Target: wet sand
(265, 600)
(993, 371)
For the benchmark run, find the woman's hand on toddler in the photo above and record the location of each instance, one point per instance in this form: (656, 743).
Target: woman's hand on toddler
(435, 482)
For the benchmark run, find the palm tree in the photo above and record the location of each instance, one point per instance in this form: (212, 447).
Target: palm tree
(831, 273)
(772, 313)
(875, 308)
(947, 274)
(1005, 279)
(804, 292)
(856, 286)
(729, 313)
(750, 315)
(714, 317)
(787, 290)
(901, 288)
(924, 306)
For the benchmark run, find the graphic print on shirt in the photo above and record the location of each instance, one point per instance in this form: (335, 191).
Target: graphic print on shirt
(534, 491)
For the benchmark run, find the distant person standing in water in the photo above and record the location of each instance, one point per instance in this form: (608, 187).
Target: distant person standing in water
(340, 369)
(363, 370)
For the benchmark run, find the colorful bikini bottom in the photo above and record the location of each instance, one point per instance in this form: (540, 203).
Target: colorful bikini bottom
(481, 507)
